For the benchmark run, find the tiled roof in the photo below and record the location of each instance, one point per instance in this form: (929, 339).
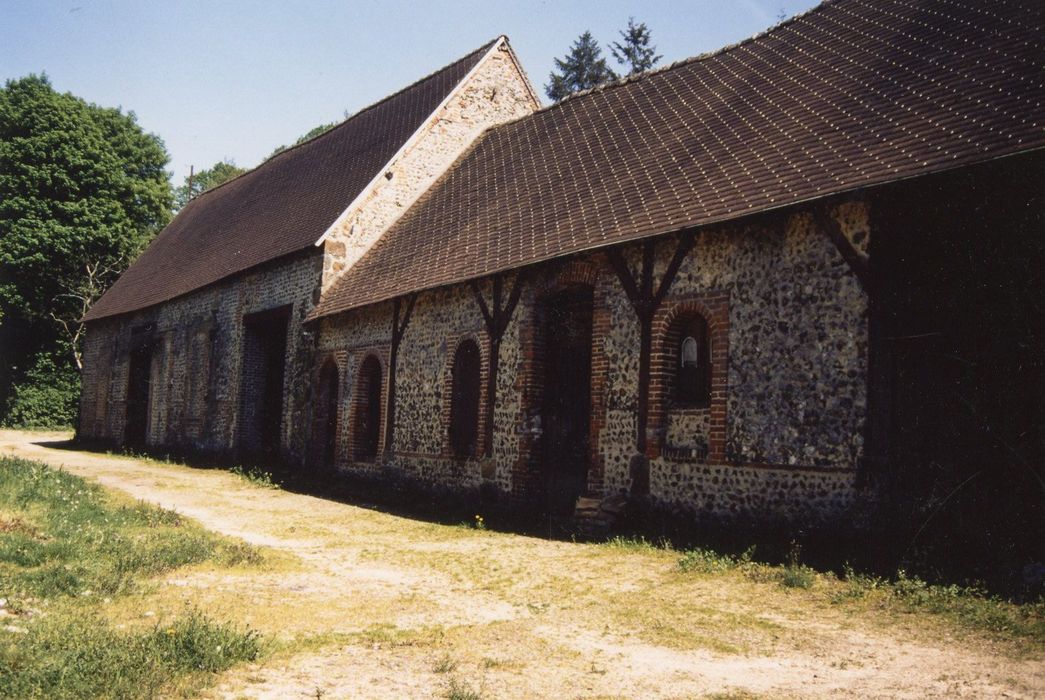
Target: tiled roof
(282, 206)
(852, 93)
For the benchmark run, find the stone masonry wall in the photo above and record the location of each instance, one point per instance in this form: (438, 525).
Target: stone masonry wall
(440, 320)
(196, 362)
(198, 339)
(496, 92)
(789, 346)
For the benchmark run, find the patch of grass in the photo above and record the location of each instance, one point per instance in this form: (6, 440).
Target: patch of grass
(66, 549)
(707, 561)
(257, 476)
(476, 523)
(637, 544)
(79, 655)
(445, 664)
(391, 636)
(794, 574)
(972, 608)
(857, 585)
(968, 608)
(797, 576)
(238, 553)
(461, 690)
(84, 541)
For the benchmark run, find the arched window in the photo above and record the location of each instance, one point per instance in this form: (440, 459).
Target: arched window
(692, 362)
(326, 414)
(367, 428)
(464, 400)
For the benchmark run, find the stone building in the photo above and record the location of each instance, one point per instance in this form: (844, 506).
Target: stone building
(759, 283)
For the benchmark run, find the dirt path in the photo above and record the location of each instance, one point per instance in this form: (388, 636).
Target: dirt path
(395, 608)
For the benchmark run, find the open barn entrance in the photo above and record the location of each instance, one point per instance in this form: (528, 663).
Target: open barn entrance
(139, 391)
(566, 327)
(261, 393)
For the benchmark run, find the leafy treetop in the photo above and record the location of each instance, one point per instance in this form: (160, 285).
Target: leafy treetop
(81, 186)
(635, 50)
(583, 69)
(313, 133)
(220, 172)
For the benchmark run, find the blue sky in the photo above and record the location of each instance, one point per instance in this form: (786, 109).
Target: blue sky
(234, 79)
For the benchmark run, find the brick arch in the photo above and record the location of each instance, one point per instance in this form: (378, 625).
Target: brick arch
(714, 309)
(447, 403)
(358, 404)
(574, 272)
(529, 379)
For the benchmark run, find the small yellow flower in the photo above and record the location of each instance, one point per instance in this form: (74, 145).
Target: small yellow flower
(170, 630)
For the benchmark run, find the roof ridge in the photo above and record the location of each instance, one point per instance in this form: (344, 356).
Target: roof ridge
(346, 120)
(629, 79)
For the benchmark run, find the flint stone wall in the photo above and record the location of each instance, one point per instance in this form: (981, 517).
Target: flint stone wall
(794, 400)
(496, 92)
(196, 367)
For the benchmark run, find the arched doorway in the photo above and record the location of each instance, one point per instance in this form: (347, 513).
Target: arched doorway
(565, 338)
(464, 400)
(367, 425)
(325, 436)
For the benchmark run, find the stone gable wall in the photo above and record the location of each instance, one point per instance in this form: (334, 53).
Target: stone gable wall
(196, 362)
(496, 92)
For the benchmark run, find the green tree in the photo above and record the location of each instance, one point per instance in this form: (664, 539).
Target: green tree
(220, 172)
(582, 69)
(635, 51)
(82, 190)
(312, 133)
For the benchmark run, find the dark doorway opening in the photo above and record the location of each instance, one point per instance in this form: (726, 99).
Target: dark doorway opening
(325, 437)
(464, 401)
(367, 428)
(261, 394)
(566, 323)
(139, 390)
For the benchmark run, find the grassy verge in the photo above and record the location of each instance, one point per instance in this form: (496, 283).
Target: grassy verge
(68, 550)
(969, 608)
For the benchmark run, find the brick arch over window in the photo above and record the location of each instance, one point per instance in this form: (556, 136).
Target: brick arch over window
(464, 395)
(574, 272)
(668, 323)
(326, 412)
(367, 408)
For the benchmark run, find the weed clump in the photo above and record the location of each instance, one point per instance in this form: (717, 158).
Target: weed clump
(257, 476)
(707, 561)
(637, 544)
(795, 574)
(460, 690)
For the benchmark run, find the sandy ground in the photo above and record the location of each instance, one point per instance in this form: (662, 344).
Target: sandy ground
(389, 607)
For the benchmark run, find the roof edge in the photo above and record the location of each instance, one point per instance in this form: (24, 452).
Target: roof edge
(525, 76)
(313, 316)
(492, 44)
(292, 256)
(406, 145)
(628, 79)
